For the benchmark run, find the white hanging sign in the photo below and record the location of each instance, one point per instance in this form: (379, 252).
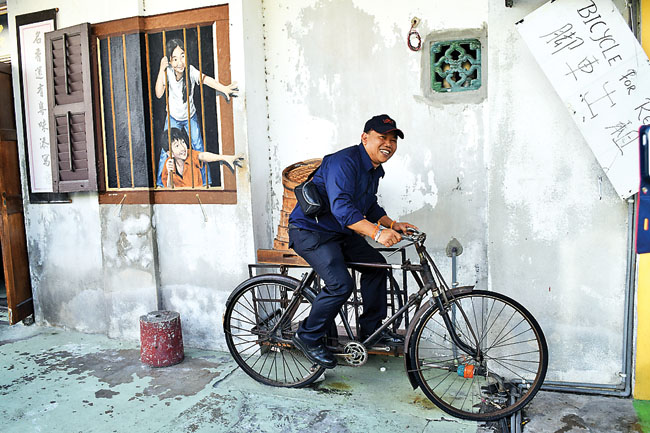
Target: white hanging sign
(32, 37)
(602, 74)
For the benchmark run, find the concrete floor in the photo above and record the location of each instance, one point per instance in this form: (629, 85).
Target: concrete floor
(60, 381)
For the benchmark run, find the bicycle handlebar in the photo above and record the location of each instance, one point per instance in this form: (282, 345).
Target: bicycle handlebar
(414, 235)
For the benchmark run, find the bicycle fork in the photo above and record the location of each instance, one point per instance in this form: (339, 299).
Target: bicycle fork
(443, 305)
(474, 352)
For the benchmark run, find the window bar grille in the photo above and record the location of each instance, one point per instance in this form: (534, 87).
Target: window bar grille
(187, 92)
(101, 102)
(110, 75)
(218, 100)
(170, 181)
(153, 153)
(205, 146)
(128, 108)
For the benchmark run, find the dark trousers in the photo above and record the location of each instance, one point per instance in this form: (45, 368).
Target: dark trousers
(327, 253)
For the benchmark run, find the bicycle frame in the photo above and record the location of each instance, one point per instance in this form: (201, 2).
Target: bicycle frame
(467, 349)
(429, 280)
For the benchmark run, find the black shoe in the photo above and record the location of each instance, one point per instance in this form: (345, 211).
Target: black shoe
(386, 338)
(318, 354)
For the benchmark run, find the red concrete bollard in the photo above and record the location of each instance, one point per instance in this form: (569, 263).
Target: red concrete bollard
(161, 339)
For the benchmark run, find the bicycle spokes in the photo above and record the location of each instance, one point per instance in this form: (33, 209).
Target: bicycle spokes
(259, 323)
(501, 350)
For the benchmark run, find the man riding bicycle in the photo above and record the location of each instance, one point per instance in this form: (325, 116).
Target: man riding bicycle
(348, 181)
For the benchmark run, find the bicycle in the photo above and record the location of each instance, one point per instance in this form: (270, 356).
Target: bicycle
(478, 355)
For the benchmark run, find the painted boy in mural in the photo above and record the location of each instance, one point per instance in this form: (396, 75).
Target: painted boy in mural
(183, 167)
(181, 112)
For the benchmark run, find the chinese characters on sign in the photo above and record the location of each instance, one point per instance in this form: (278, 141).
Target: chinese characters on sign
(32, 38)
(602, 74)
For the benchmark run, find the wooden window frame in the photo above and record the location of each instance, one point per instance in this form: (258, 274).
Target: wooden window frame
(217, 15)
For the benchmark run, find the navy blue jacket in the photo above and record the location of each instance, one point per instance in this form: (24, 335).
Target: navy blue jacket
(349, 182)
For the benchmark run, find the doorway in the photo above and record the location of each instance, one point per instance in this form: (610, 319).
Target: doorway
(3, 293)
(15, 289)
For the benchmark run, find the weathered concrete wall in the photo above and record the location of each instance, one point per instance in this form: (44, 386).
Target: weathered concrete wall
(98, 268)
(510, 176)
(507, 173)
(557, 234)
(65, 255)
(333, 64)
(258, 122)
(129, 266)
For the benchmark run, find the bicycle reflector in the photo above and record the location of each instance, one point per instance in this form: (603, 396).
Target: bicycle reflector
(466, 371)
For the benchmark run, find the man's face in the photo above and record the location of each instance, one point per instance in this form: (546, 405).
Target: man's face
(179, 150)
(380, 147)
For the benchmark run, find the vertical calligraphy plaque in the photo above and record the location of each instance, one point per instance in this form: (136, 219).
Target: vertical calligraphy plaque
(35, 97)
(602, 75)
(30, 35)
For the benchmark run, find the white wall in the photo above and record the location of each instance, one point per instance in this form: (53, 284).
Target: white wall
(333, 64)
(508, 175)
(98, 268)
(557, 235)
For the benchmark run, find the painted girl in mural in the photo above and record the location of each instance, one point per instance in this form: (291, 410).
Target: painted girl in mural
(172, 75)
(182, 166)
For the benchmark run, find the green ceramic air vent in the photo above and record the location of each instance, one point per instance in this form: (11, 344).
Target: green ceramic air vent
(456, 65)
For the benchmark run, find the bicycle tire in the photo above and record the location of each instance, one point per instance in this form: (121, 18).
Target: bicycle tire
(514, 350)
(253, 308)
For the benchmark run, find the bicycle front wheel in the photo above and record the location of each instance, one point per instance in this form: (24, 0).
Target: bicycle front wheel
(261, 345)
(505, 370)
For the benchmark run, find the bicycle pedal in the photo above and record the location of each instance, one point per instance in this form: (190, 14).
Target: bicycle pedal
(380, 348)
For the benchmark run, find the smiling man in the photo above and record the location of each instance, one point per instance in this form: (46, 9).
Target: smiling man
(348, 181)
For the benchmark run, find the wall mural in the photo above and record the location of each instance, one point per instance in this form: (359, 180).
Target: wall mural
(177, 79)
(5, 51)
(162, 101)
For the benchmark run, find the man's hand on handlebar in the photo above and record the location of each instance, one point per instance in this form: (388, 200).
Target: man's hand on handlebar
(402, 227)
(390, 237)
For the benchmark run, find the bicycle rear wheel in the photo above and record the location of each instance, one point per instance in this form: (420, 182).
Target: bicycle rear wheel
(501, 378)
(252, 311)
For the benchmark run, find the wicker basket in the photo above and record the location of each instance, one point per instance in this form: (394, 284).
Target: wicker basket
(297, 173)
(292, 176)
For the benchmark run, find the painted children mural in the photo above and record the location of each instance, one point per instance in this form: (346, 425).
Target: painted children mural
(173, 76)
(173, 73)
(183, 166)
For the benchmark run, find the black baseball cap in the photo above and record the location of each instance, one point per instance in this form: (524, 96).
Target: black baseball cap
(382, 124)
